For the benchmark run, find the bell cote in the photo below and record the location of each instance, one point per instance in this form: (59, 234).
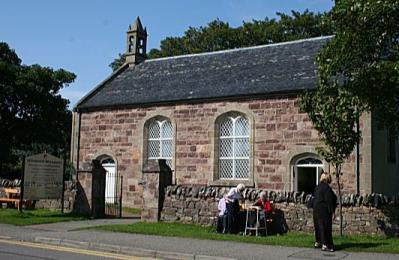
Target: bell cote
(136, 43)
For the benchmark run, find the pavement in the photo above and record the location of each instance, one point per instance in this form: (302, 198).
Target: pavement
(70, 234)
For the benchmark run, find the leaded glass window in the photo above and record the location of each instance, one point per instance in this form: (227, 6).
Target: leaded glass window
(234, 148)
(160, 139)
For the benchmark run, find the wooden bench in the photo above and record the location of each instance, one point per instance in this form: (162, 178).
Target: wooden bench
(13, 197)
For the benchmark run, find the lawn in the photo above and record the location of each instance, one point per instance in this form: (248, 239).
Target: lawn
(132, 211)
(38, 216)
(377, 244)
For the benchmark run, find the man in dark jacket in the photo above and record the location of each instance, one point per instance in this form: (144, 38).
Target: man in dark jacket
(324, 205)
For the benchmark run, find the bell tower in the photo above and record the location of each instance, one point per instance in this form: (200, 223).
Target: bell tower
(136, 43)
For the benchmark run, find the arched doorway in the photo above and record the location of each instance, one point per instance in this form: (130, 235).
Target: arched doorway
(306, 173)
(110, 179)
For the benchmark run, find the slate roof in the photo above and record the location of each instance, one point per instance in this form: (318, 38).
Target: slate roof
(260, 70)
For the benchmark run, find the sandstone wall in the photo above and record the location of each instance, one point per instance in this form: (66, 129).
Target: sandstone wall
(279, 132)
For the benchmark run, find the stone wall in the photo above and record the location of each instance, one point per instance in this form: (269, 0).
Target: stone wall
(69, 199)
(366, 214)
(279, 133)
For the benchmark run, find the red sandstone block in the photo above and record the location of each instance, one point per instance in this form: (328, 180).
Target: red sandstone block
(254, 106)
(279, 147)
(276, 178)
(273, 161)
(292, 126)
(191, 168)
(263, 155)
(132, 188)
(192, 155)
(270, 127)
(269, 169)
(266, 186)
(288, 135)
(181, 155)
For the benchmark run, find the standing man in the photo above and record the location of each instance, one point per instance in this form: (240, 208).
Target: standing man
(233, 207)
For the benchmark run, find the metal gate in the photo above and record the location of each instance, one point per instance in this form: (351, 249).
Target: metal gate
(113, 194)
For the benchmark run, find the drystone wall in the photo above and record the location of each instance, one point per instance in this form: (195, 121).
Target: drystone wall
(365, 214)
(69, 198)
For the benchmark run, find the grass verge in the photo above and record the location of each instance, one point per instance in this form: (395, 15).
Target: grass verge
(378, 244)
(133, 211)
(37, 216)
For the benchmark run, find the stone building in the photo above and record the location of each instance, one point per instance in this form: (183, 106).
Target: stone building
(220, 118)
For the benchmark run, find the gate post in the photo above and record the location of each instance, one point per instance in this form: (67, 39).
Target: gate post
(156, 176)
(98, 190)
(90, 197)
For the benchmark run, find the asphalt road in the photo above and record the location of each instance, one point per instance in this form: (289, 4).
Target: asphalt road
(16, 250)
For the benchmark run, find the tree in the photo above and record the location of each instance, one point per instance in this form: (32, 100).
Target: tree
(218, 35)
(334, 113)
(33, 114)
(358, 72)
(365, 52)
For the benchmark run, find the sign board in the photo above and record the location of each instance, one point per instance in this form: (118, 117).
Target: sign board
(43, 176)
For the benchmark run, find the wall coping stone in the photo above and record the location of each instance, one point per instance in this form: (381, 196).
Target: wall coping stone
(375, 200)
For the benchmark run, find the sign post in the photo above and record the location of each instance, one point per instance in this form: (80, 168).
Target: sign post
(21, 187)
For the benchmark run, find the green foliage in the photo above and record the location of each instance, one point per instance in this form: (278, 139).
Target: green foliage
(218, 35)
(365, 52)
(34, 116)
(334, 113)
(358, 72)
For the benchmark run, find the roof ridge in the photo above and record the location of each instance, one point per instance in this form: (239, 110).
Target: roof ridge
(241, 49)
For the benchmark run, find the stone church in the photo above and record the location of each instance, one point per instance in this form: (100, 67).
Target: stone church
(219, 119)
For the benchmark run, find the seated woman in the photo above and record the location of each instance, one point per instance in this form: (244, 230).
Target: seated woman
(264, 203)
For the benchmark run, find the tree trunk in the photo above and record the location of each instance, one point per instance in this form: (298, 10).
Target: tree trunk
(338, 174)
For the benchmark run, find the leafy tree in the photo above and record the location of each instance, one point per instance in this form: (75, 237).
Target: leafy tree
(34, 117)
(365, 52)
(335, 113)
(358, 72)
(218, 35)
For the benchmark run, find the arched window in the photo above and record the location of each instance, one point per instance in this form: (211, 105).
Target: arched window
(307, 171)
(160, 140)
(234, 147)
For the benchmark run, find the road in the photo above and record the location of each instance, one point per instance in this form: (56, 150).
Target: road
(17, 250)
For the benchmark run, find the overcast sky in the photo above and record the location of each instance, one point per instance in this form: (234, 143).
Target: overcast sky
(84, 36)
